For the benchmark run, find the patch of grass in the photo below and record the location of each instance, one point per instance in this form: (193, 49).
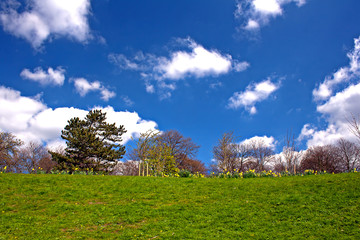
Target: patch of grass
(114, 207)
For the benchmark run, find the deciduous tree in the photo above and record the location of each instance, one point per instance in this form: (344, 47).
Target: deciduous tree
(33, 157)
(349, 154)
(153, 154)
(261, 154)
(290, 153)
(182, 148)
(354, 126)
(225, 153)
(9, 148)
(322, 158)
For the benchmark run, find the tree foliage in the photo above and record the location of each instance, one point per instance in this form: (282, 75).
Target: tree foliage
(92, 143)
(153, 154)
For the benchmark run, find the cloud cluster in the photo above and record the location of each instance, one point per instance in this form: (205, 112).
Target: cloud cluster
(256, 13)
(267, 141)
(342, 75)
(31, 120)
(50, 77)
(254, 93)
(44, 19)
(161, 73)
(337, 110)
(83, 87)
(338, 106)
(57, 77)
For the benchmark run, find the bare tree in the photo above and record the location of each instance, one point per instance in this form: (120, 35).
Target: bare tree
(182, 148)
(322, 158)
(349, 153)
(243, 153)
(33, 157)
(261, 154)
(225, 153)
(354, 126)
(290, 153)
(194, 166)
(9, 148)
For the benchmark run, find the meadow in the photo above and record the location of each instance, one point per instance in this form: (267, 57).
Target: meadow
(114, 207)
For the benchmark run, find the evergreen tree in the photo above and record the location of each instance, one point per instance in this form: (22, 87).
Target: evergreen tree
(92, 143)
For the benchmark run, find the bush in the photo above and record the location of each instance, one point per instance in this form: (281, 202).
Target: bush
(184, 173)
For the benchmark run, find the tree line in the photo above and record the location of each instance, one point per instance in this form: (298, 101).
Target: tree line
(93, 145)
(230, 156)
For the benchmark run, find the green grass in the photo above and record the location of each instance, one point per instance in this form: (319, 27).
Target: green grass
(114, 207)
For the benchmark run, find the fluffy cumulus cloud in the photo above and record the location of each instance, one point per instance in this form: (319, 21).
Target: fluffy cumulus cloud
(31, 120)
(161, 73)
(83, 87)
(336, 111)
(265, 140)
(199, 62)
(336, 108)
(49, 77)
(44, 19)
(256, 13)
(253, 94)
(342, 75)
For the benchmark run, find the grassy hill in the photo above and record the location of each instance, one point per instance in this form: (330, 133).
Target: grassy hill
(114, 207)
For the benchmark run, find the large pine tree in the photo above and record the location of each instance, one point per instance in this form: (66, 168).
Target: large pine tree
(92, 143)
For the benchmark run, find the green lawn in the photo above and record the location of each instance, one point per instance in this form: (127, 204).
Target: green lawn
(115, 207)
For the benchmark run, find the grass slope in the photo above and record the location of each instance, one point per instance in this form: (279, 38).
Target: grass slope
(114, 207)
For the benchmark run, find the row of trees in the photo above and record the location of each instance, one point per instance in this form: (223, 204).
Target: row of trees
(157, 153)
(20, 158)
(94, 145)
(343, 156)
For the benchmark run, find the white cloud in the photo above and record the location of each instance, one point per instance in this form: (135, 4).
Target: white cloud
(50, 77)
(83, 87)
(128, 102)
(31, 120)
(252, 25)
(160, 73)
(256, 13)
(216, 85)
(106, 94)
(150, 88)
(336, 111)
(199, 62)
(240, 66)
(123, 62)
(267, 7)
(16, 111)
(336, 107)
(253, 94)
(342, 75)
(46, 19)
(268, 141)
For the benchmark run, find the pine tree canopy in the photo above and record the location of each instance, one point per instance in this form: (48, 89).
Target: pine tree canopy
(92, 143)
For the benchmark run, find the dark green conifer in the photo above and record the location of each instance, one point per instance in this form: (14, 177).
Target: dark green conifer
(92, 143)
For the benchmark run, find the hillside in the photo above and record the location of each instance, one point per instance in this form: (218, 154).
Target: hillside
(114, 207)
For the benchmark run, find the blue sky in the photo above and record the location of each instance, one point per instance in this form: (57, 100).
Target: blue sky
(255, 67)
